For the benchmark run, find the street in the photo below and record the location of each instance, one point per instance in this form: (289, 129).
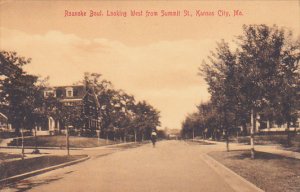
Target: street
(170, 166)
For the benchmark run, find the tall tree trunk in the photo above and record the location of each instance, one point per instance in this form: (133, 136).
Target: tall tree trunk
(226, 130)
(67, 141)
(227, 139)
(36, 150)
(135, 135)
(253, 124)
(193, 133)
(124, 138)
(214, 134)
(23, 150)
(98, 135)
(244, 127)
(236, 128)
(288, 134)
(35, 139)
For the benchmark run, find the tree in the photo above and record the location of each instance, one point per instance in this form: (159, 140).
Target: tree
(192, 125)
(146, 119)
(210, 121)
(45, 107)
(120, 114)
(260, 77)
(221, 75)
(267, 68)
(18, 91)
(206, 122)
(289, 82)
(11, 64)
(161, 134)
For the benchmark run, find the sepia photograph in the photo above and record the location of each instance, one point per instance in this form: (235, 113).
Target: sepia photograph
(149, 96)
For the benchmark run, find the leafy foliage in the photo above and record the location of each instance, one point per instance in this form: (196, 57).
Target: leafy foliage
(262, 75)
(18, 90)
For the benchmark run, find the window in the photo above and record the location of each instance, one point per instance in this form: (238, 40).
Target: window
(69, 92)
(75, 92)
(59, 93)
(49, 93)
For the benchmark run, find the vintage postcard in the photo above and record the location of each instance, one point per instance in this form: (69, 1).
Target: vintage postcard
(160, 96)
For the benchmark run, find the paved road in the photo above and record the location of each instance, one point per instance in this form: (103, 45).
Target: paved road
(171, 166)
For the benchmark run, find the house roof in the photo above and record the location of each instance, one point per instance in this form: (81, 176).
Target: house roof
(60, 91)
(3, 116)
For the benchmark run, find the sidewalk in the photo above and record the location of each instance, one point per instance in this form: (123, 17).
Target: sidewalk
(274, 149)
(59, 151)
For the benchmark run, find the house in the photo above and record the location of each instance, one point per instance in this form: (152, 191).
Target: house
(265, 125)
(4, 125)
(80, 107)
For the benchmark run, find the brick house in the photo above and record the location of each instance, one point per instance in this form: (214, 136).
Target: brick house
(80, 102)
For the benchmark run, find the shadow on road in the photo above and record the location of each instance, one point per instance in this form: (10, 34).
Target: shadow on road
(128, 146)
(199, 143)
(245, 154)
(102, 155)
(26, 185)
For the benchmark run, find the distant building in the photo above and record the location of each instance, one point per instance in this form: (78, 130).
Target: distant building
(172, 133)
(264, 125)
(271, 126)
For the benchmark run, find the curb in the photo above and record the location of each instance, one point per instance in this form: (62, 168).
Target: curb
(109, 146)
(32, 147)
(40, 171)
(235, 181)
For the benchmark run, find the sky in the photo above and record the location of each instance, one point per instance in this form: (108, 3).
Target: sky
(156, 59)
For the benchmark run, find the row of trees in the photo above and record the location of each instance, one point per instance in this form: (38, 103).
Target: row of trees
(205, 123)
(258, 75)
(121, 114)
(22, 100)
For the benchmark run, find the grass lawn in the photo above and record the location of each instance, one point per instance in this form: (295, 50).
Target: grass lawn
(8, 169)
(60, 141)
(5, 156)
(274, 139)
(272, 173)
